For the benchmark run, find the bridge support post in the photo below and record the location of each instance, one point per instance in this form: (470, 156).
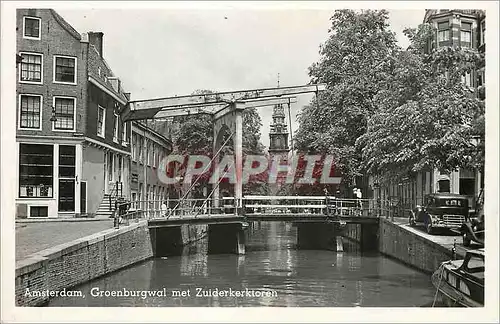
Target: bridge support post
(317, 236)
(215, 195)
(238, 158)
(226, 238)
(369, 237)
(166, 241)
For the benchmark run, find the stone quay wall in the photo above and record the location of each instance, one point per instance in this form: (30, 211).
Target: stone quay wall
(70, 264)
(410, 248)
(76, 262)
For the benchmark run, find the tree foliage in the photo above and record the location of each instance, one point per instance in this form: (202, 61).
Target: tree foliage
(425, 116)
(194, 135)
(354, 61)
(391, 111)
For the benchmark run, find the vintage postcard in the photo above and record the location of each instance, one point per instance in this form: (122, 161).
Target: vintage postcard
(257, 161)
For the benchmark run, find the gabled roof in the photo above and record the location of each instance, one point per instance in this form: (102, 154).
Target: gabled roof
(95, 57)
(65, 25)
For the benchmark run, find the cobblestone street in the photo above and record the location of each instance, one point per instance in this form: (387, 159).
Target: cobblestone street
(34, 237)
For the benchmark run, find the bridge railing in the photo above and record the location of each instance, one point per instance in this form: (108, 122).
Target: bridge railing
(254, 205)
(331, 206)
(148, 209)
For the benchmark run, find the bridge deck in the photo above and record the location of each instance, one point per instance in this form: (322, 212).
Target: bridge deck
(231, 218)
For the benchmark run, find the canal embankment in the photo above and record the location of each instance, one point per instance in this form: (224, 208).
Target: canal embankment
(81, 260)
(409, 245)
(415, 248)
(69, 264)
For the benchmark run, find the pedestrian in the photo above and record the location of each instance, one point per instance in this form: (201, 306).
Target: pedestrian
(164, 209)
(359, 196)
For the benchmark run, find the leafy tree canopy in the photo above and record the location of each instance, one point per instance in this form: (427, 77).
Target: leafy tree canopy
(425, 116)
(355, 60)
(389, 111)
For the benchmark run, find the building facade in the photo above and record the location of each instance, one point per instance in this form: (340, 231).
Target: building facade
(73, 150)
(149, 148)
(454, 28)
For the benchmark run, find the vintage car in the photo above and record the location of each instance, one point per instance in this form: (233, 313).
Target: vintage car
(443, 211)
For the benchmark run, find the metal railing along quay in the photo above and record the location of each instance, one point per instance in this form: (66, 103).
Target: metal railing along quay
(252, 206)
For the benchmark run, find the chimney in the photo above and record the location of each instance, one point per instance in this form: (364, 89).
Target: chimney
(95, 38)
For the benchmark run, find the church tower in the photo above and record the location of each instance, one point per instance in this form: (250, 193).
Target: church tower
(278, 135)
(278, 145)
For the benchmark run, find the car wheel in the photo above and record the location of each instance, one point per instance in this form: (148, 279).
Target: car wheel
(466, 240)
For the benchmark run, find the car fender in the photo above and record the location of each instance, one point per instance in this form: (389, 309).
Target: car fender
(432, 217)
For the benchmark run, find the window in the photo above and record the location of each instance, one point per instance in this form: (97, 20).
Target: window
(119, 169)
(115, 129)
(31, 68)
(30, 112)
(148, 153)
(124, 134)
(467, 79)
(480, 78)
(443, 31)
(65, 69)
(31, 27)
(466, 35)
(483, 30)
(134, 147)
(67, 161)
(140, 148)
(39, 211)
(35, 170)
(110, 167)
(444, 185)
(65, 113)
(155, 155)
(101, 121)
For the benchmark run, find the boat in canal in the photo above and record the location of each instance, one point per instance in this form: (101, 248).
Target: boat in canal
(460, 283)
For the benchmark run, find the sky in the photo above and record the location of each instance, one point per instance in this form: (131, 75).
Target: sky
(167, 52)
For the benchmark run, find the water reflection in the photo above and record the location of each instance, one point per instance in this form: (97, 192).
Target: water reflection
(272, 263)
(194, 259)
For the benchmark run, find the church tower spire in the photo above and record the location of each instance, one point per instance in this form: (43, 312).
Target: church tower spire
(278, 134)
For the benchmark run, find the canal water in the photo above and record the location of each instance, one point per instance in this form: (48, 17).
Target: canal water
(272, 273)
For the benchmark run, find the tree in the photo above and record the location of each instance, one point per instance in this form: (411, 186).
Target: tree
(355, 61)
(425, 116)
(194, 135)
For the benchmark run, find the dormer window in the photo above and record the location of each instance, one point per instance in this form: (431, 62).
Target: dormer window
(31, 27)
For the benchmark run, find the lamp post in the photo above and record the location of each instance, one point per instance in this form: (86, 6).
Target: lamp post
(53, 117)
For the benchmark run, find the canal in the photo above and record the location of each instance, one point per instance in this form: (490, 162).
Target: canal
(272, 273)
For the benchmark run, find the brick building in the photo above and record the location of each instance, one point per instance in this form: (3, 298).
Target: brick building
(73, 151)
(454, 28)
(148, 149)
